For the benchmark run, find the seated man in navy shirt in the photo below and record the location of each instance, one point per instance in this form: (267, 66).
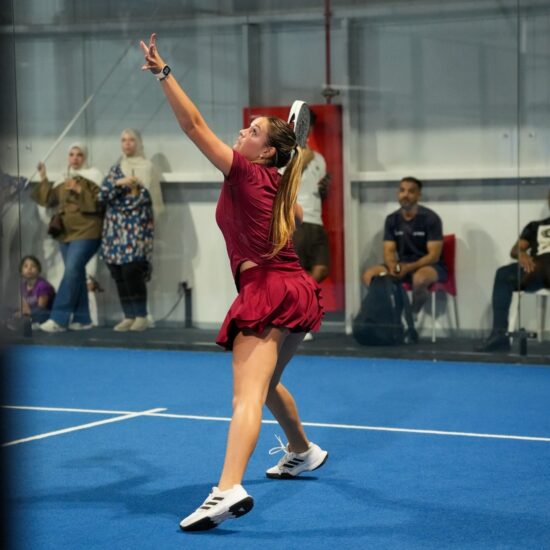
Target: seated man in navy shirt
(413, 239)
(531, 272)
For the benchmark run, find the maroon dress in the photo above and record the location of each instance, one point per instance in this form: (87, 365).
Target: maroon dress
(277, 292)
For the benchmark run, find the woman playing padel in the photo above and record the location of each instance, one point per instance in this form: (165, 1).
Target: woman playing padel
(277, 301)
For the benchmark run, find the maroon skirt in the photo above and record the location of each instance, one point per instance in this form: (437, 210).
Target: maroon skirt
(273, 295)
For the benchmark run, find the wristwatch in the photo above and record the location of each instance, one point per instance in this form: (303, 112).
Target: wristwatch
(164, 73)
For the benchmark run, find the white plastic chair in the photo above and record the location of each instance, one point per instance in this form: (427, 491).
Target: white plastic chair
(541, 296)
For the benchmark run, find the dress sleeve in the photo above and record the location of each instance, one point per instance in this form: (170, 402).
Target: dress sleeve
(88, 196)
(42, 288)
(109, 191)
(45, 194)
(131, 202)
(241, 170)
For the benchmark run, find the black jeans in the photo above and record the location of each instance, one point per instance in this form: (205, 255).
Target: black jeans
(130, 282)
(510, 278)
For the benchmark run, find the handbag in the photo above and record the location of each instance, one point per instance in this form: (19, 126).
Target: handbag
(55, 227)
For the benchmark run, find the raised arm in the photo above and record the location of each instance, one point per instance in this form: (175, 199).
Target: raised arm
(187, 114)
(44, 192)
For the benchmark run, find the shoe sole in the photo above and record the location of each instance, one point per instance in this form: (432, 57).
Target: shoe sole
(286, 475)
(234, 511)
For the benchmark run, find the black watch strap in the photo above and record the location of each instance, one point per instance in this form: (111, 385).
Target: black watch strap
(166, 70)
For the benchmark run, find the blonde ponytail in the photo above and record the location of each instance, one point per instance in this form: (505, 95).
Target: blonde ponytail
(283, 222)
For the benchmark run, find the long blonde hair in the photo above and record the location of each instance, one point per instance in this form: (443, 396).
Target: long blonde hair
(290, 155)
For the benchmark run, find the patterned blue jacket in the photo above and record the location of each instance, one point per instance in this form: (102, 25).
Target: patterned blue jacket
(128, 226)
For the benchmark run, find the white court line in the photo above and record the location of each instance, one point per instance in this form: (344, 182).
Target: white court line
(126, 416)
(153, 412)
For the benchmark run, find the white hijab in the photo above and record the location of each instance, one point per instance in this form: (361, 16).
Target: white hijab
(141, 167)
(86, 172)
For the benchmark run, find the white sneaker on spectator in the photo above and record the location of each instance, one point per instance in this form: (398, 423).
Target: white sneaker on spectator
(308, 337)
(51, 326)
(124, 325)
(80, 326)
(139, 324)
(219, 506)
(293, 464)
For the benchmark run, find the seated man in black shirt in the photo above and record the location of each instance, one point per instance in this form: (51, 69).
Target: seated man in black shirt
(531, 272)
(413, 239)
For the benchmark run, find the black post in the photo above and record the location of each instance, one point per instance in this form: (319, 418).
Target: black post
(188, 305)
(522, 339)
(27, 326)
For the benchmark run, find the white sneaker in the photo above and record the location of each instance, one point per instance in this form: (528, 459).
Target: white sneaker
(308, 337)
(293, 464)
(139, 324)
(51, 326)
(124, 325)
(80, 326)
(219, 506)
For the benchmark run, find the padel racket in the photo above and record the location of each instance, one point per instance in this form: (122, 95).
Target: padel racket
(299, 120)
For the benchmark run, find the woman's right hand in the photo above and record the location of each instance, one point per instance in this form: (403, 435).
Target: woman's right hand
(153, 61)
(128, 181)
(42, 171)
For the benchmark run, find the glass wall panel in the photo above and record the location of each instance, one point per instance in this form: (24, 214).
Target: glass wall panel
(529, 313)
(453, 94)
(11, 183)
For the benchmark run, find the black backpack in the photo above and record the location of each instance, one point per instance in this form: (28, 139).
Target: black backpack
(378, 322)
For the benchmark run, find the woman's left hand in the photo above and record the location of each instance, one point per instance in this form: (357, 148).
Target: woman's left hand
(73, 185)
(153, 61)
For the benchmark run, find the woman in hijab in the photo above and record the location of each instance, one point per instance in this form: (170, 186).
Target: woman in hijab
(128, 194)
(77, 228)
(134, 163)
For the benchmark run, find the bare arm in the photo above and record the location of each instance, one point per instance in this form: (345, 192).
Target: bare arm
(298, 214)
(43, 302)
(519, 252)
(187, 114)
(432, 257)
(390, 256)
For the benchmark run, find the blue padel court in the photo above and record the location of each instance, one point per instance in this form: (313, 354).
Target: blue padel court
(109, 449)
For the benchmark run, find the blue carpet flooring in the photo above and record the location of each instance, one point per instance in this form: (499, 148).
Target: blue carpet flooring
(127, 484)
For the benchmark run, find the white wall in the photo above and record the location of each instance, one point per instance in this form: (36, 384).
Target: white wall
(485, 230)
(431, 96)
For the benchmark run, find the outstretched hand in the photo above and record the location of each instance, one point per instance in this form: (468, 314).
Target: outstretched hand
(153, 61)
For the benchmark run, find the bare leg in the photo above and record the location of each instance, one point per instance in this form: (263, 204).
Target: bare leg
(280, 401)
(254, 362)
(422, 279)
